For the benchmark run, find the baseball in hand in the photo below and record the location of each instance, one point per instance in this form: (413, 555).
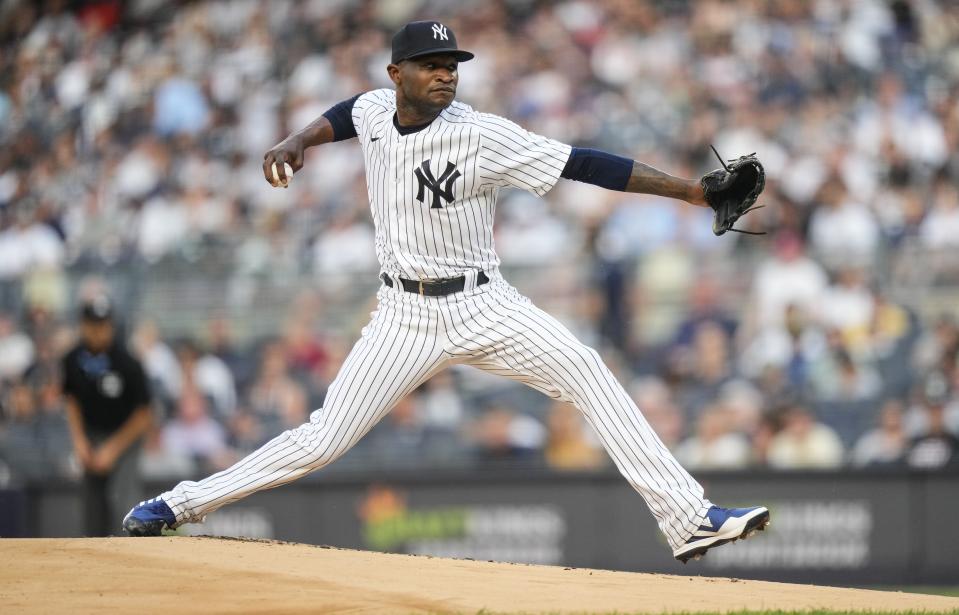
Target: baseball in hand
(289, 175)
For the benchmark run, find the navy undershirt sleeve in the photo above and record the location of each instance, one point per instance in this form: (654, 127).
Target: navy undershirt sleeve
(598, 168)
(340, 117)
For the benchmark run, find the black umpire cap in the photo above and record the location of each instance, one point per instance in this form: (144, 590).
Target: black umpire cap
(97, 309)
(423, 38)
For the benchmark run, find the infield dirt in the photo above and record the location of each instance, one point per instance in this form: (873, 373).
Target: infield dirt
(180, 574)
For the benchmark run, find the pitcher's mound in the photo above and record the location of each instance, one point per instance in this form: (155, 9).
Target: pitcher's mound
(178, 574)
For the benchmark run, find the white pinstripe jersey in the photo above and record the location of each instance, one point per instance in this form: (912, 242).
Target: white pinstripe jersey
(433, 192)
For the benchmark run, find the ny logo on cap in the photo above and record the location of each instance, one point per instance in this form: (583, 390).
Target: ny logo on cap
(439, 32)
(426, 180)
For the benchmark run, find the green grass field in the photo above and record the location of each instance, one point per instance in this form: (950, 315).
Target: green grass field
(923, 589)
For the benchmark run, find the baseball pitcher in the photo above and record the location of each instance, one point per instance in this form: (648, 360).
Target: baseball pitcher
(434, 167)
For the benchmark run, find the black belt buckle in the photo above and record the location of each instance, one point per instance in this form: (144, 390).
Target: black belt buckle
(437, 288)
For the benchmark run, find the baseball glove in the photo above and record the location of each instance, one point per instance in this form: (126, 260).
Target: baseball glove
(732, 190)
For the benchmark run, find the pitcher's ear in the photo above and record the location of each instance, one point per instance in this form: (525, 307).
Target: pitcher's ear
(394, 71)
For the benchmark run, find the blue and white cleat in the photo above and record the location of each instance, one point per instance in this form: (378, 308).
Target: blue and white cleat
(723, 525)
(149, 518)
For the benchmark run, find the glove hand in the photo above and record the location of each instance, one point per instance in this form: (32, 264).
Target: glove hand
(732, 191)
(718, 180)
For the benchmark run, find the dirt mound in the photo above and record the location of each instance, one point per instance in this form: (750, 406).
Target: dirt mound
(173, 574)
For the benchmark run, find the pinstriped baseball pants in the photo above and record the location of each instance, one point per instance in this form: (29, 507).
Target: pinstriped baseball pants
(492, 327)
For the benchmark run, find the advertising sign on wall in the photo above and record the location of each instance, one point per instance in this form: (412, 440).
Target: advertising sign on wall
(852, 528)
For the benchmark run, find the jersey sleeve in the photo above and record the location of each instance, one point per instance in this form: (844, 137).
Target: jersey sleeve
(340, 117)
(513, 156)
(370, 110)
(599, 168)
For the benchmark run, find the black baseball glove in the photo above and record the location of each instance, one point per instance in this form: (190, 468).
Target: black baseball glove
(732, 190)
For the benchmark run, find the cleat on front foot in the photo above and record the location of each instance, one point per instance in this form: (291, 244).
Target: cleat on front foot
(135, 527)
(149, 518)
(722, 525)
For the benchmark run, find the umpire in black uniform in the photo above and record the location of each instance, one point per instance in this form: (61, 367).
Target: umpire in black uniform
(108, 408)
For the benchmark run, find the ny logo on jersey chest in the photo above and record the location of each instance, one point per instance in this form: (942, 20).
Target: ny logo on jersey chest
(427, 181)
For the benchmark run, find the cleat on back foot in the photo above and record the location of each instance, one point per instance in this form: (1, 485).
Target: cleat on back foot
(722, 525)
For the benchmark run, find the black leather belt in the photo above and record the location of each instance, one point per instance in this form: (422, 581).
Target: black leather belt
(435, 288)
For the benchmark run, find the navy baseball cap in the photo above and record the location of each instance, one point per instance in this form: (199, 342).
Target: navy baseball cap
(423, 38)
(97, 309)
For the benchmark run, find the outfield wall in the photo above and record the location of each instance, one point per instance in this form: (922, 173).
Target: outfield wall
(846, 528)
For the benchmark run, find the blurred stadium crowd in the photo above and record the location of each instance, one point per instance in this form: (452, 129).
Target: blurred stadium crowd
(131, 135)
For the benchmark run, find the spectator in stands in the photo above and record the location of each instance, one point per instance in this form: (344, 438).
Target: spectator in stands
(344, 248)
(793, 349)
(886, 444)
(938, 347)
(839, 377)
(220, 343)
(276, 398)
(762, 439)
(193, 433)
(655, 400)
(892, 120)
(52, 420)
(570, 443)
(940, 227)
(892, 337)
(28, 245)
(247, 432)
(179, 106)
(775, 387)
(401, 439)
(716, 445)
(848, 304)
(789, 278)
(16, 350)
(305, 354)
(804, 443)
(159, 462)
(744, 403)
(211, 376)
(935, 447)
(160, 363)
(34, 442)
(711, 365)
(503, 434)
(442, 405)
(704, 302)
(842, 230)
